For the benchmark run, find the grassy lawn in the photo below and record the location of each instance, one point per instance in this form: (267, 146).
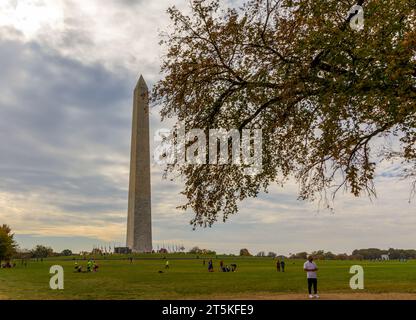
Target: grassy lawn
(189, 279)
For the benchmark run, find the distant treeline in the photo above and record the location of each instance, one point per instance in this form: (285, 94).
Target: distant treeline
(359, 254)
(39, 252)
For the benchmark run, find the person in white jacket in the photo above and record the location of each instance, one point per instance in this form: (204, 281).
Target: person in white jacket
(311, 272)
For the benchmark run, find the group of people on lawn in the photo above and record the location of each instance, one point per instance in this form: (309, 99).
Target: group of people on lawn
(280, 265)
(223, 268)
(8, 265)
(309, 267)
(92, 266)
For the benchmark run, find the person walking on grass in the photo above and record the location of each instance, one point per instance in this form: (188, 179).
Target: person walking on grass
(311, 272)
(167, 264)
(210, 266)
(278, 265)
(282, 265)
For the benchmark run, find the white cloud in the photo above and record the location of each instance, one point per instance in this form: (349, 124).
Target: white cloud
(30, 16)
(114, 33)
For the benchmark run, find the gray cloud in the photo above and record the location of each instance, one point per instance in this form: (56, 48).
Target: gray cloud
(57, 113)
(62, 124)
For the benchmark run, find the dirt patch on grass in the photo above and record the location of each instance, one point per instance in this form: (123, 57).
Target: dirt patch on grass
(324, 296)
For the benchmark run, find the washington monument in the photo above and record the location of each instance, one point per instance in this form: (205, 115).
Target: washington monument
(139, 220)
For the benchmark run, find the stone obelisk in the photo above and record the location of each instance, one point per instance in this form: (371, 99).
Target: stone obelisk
(139, 220)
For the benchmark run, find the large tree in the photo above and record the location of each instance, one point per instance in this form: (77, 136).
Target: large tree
(7, 244)
(324, 94)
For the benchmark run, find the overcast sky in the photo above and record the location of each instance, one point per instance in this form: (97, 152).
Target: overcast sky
(67, 71)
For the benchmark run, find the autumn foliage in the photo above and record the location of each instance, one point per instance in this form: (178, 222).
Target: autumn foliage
(333, 103)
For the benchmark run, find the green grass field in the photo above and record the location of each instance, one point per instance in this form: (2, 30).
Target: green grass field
(189, 279)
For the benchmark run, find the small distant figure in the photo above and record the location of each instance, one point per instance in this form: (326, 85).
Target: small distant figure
(278, 265)
(167, 264)
(210, 266)
(221, 264)
(131, 260)
(203, 262)
(226, 269)
(95, 267)
(233, 267)
(77, 267)
(89, 266)
(282, 265)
